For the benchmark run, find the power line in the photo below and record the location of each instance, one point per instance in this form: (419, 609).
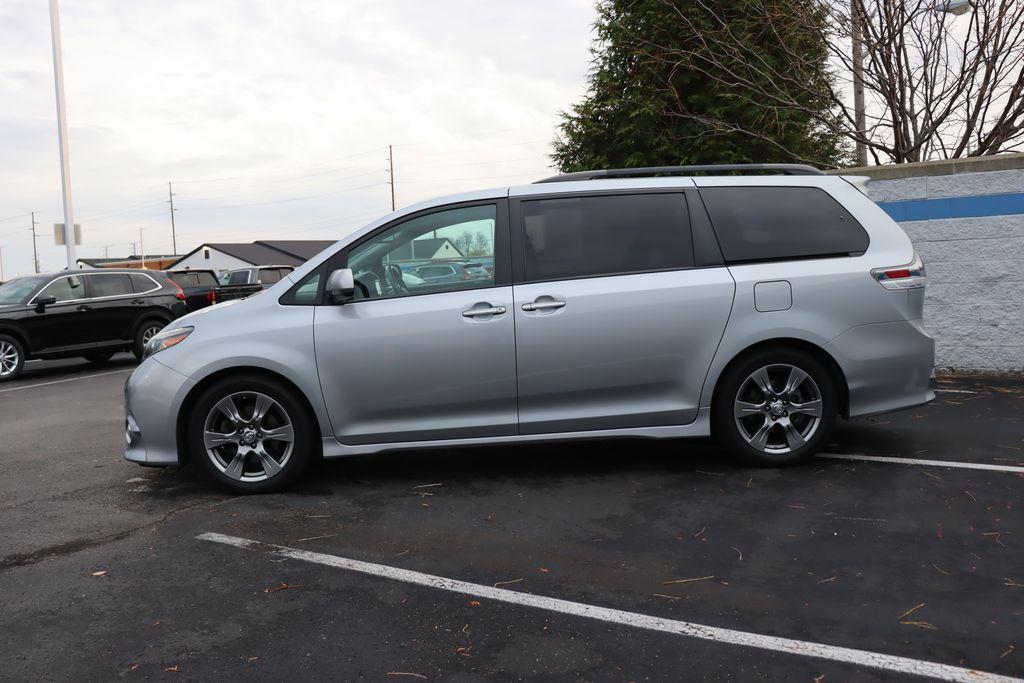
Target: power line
(11, 218)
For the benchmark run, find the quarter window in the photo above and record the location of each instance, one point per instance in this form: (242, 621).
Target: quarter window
(142, 283)
(115, 284)
(428, 254)
(64, 289)
(771, 223)
(591, 236)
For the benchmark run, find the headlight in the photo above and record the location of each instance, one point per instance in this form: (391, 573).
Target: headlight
(166, 340)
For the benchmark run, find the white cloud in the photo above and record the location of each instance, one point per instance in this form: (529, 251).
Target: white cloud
(273, 118)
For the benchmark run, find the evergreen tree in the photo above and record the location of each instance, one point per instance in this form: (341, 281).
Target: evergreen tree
(651, 100)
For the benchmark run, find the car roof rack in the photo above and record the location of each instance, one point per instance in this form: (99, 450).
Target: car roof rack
(710, 169)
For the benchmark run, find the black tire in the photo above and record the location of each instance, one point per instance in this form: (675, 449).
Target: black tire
(143, 332)
(99, 357)
(789, 438)
(244, 388)
(12, 358)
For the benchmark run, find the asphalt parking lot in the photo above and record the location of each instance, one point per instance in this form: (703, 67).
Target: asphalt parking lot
(626, 560)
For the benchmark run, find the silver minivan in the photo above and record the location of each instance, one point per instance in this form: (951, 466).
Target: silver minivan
(757, 304)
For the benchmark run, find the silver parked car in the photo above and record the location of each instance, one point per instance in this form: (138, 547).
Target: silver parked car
(756, 304)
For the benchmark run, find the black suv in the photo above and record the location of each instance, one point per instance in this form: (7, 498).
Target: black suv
(88, 313)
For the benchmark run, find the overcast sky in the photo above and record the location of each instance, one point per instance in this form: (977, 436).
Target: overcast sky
(272, 119)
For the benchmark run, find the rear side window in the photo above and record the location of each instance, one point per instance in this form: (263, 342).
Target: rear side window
(183, 279)
(269, 276)
(205, 278)
(239, 277)
(772, 223)
(576, 237)
(115, 284)
(142, 283)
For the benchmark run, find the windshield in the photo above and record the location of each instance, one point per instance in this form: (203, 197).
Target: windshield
(15, 291)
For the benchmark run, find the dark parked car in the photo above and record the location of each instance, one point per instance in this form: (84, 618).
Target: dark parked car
(88, 313)
(439, 272)
(264, 276)
(202, 288)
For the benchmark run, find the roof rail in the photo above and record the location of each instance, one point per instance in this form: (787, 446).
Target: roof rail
(712, 169)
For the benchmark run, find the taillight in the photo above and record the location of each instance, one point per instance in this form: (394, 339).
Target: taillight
(180, 294)
(211, 297)
(907, 276)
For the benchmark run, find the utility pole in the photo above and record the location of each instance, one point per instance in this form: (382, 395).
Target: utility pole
(1, 264)
(174, 238)
(62, 135)
(142, 250)
(106, 249)
(857, 38)
(391, 175)
(35, 252)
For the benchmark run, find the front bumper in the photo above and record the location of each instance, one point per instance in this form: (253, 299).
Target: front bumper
(153, 396)
(888, 366)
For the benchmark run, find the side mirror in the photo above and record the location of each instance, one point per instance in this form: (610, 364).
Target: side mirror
(341, 286)
(42, 302)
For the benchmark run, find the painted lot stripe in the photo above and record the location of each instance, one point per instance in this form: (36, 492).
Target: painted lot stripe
(66, 379)
(928, 463)
(874, 660)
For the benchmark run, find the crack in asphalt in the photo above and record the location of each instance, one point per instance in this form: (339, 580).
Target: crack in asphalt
(71, 547)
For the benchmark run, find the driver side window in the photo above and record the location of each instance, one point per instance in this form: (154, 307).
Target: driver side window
(64, 289)
(445, 251)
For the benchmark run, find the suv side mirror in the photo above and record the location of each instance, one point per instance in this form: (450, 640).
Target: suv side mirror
(42, 302)
(341, 286)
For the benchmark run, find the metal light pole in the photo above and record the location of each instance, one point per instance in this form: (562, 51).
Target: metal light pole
(62, 134)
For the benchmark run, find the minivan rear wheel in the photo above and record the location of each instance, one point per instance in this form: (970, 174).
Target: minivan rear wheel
(775, 407)
(252, 434)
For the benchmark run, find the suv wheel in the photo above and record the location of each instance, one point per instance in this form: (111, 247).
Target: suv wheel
(776, 407)
(12, 358)
(147, 330)
(252, 434)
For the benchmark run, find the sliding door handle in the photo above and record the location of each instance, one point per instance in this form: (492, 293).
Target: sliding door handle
(543, 305)
(475, 312)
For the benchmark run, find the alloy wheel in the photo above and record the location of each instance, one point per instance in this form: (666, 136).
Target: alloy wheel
(248, 436)
(8, 358)
(149, 333)
(778, 408)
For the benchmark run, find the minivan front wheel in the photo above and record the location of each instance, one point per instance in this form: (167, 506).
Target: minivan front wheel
(775, 408)
(252, 434)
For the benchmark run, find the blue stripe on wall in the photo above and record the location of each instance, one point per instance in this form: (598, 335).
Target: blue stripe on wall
(955, 207)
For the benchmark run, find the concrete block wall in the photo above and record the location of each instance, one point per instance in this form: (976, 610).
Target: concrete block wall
(968, 227)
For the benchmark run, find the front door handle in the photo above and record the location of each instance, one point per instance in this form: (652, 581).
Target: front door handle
(474, 312)
(84, 307)
(543, 305)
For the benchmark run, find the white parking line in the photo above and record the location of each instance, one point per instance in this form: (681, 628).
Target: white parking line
(66, 379)
(875, 660)
(928, 463)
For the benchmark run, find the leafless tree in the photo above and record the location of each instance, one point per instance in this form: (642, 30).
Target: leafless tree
(937, 85)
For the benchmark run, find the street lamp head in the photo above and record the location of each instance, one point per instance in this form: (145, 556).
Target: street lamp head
(956, 7)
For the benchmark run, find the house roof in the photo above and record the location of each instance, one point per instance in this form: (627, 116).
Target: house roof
(304, 249)
(100, 262)
(424, 248)
(267, 252)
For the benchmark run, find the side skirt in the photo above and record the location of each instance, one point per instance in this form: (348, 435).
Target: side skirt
(700, 427)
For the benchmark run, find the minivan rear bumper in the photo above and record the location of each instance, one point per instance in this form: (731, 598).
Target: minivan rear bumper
(888, 366)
